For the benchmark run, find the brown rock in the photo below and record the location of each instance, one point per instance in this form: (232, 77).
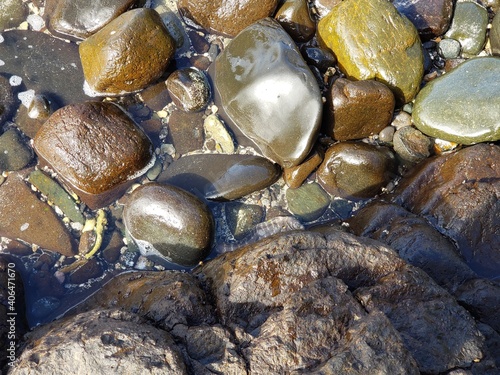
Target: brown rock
(458, 194)
(295, 18)
(95, 148)
(295, 176)
(189, 89)
(325, 6)
(7, 103)
(129, 53)
(431, 18)
(185, 131)
(357, 109)
(226, 17)
(29, 219)
(356, 170)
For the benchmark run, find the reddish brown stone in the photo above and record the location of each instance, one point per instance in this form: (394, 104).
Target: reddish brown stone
(226, 17)
(26, 218)
(185, 131)
(357, 109)
(295, 176)
(95, 148)
(295, 18)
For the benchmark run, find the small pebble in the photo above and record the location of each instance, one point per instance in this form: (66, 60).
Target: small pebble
(449, 48)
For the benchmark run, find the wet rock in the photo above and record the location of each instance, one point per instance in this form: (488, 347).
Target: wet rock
(458, 194)
(307, 202)
(410, 315)
(241, 218)
(495, 35)
(15, 154)
(264, 86)
(7, 103)
(96, 341)
(95, 148)
(31, 220)
(217, 132)
(30, 119)
(12, 13)
(411, 145)
(253, 289)
(129, 53)
(169, 222)
(449, 48)
(482, 298)
(415, 240)
(462, 105)
(371, 40)
(431, 18)
(468, 26)
(189, 89)
(295, 18)
(226, 17)
(57, 195)
(57, 75)
(324, 7)
(221, 177)
(89, 269)
(318, 57)
(386, 135)
(357, 109)
(356, 170)
(80, 19)
(295, 176)
(185, 131)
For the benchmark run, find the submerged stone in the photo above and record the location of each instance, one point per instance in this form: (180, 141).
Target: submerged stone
(7, 103)
(269, 93)
(15, 154)
(463, 105)
(81, 18)
(12, 13)
(221, 177)
(95, 148)
(169, 222)
(129, 53)
(371, 40)
(47, 65)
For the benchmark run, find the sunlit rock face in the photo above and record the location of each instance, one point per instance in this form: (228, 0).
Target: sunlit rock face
(269, 93)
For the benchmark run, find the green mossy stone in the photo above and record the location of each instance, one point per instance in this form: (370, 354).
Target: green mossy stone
(371, 40)
(463, 105)
(307, 202)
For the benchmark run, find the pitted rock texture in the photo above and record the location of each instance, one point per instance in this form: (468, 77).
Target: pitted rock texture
(95, 147)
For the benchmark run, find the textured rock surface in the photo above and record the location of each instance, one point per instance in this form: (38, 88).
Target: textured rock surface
(431, 18)
(462, 106)
(221, 177)
(27, 218)
(80, 19)
(415, 240)
(189, 89)
(356, 170)
(12, 13)
(253, 288)
(95, 148)
(129, 53)
(307, 202)
(458, 194)
(97, 341)
(226, 17)
(371, 40)
(169, 222)
(15, 154)
(411, 145)
(495, 35)
(264, 86)
(469, 24)
(357, 109)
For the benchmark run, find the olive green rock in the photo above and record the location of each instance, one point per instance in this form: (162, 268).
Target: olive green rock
(371, 40)
(463, 105)
(469, 24)
(308, 202)
(12, 13)
(495, 35)
(129, 53)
